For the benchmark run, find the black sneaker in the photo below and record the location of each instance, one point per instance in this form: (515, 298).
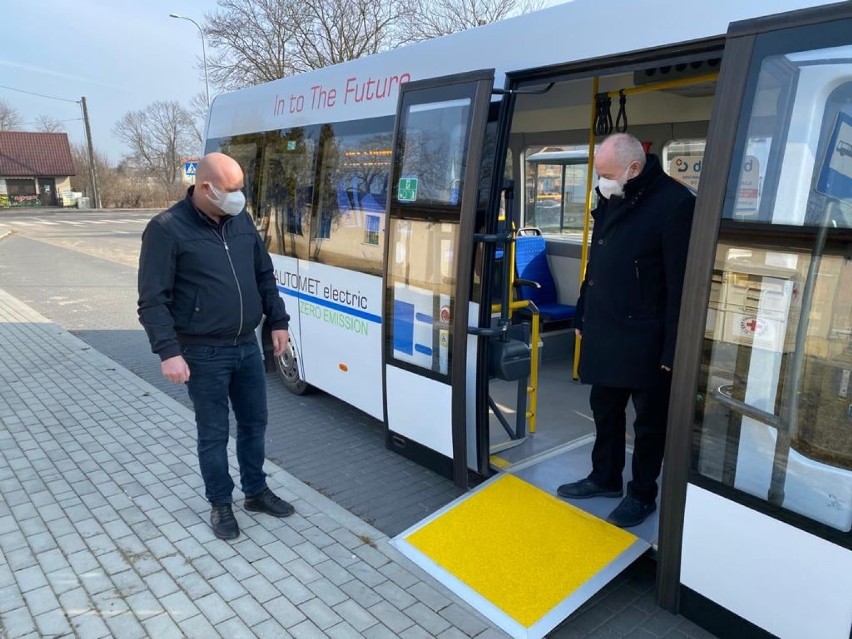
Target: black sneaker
(631, 512)
(584, 489)
(269, 503)
(223, 522)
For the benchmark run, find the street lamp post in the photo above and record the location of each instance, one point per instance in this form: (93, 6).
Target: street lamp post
(203, 51)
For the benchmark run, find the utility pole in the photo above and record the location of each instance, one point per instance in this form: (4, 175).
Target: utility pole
(93, 176)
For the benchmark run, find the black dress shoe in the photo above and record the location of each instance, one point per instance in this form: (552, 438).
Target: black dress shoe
(584, 489)
(223, 522)
(269, 503)
(631, 512)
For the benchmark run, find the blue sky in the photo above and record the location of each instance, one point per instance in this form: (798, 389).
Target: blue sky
(121, 55)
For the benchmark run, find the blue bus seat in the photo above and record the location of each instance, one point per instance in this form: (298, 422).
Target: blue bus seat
(531, 265)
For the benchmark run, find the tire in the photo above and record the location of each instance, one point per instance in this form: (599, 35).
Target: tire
(288, 371)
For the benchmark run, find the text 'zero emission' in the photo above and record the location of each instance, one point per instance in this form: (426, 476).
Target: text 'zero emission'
(330, 316)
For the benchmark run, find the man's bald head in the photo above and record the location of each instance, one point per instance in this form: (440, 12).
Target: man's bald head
(620, 158)
(220, 172)
(622, 149)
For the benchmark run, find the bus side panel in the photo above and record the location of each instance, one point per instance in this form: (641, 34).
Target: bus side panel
(769, 573)
(341, 334)
(287, 274)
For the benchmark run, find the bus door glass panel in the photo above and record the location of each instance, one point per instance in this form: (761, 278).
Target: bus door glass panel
(434, 149)
(775, 410)
(422, 261)
(421, 282)
(287, 178)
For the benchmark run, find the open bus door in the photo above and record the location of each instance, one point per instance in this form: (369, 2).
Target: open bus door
(757, 492)
(438, 142)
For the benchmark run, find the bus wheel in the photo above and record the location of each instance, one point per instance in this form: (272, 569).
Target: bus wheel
(288, 371)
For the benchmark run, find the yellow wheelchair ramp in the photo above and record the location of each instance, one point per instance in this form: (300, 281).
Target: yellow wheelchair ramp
(522, 557)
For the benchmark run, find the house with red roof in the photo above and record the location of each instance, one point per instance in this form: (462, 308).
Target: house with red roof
(35, 168)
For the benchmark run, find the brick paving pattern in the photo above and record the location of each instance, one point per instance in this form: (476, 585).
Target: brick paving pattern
(102, 518)
(103, 524)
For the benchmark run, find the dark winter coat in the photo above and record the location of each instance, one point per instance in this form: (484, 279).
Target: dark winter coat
(202, 283)
(630, 297)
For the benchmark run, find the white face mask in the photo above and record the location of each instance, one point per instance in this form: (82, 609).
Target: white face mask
(610, 188)
(231, 203)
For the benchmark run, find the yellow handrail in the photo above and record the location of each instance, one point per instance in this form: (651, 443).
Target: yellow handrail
(584, 249)
(659, 86)
(535, 336)
(532, 389)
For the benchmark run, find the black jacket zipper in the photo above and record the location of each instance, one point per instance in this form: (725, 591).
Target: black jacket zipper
(234, 272)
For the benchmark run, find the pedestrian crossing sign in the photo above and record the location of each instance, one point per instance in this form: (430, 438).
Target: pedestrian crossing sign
(189, 168)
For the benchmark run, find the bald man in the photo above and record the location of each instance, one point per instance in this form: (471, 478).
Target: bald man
(627, 315)
(205, 283)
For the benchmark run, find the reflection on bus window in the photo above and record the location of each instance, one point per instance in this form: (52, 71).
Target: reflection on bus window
(286, 190)
(683, 160)
(556, 183)
(353, 190)
(776, 421)
(434, 147)
(421, 293)
(774, 417)
(786, 144)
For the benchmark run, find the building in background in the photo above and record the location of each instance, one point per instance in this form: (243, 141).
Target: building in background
(35, 169)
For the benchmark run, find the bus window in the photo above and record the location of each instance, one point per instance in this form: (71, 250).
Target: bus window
(286, 190)
(682, 160)
(787, 142)
(435, 148)
(556, 179)
(353, 188)
(775, 383)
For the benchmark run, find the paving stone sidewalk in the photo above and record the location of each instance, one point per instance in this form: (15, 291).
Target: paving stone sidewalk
(103, 529)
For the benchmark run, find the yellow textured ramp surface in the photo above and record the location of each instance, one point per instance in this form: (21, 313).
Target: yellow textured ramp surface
(520, 548)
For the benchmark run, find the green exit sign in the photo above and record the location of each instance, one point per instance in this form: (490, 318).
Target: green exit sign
(407, 191)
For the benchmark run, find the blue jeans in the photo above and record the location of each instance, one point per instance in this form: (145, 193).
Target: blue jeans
(217, 373)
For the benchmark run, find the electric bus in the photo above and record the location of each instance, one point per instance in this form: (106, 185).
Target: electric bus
(394, 193)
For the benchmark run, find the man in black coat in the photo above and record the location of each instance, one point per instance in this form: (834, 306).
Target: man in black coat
(205, 282)
(627, 315)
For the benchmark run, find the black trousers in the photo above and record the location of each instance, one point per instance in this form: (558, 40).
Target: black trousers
(608, 407)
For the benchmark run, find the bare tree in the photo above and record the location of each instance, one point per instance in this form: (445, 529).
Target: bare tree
(198, 113)
(159, 136)
(250, 41)
(333, 31)
(121, 186)
(81, 182)
(434, 18)
(10, 119)
(48, 124)
(256, 41)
